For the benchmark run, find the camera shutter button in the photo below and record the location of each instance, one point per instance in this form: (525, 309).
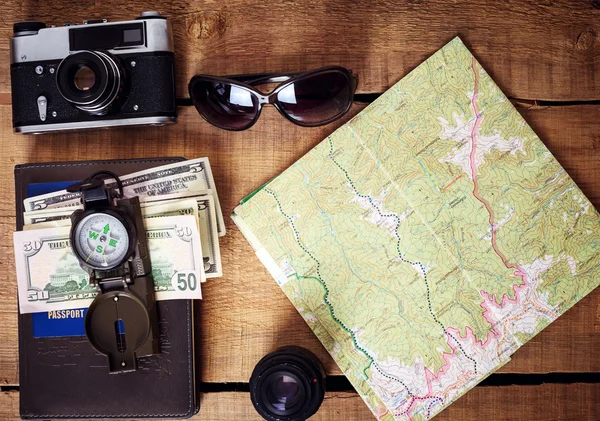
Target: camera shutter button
(42, 104)
(93, 21)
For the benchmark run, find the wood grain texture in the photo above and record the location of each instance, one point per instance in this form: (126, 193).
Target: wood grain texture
(244, 314)
(542, 50)
(556, 402)
(535, 49)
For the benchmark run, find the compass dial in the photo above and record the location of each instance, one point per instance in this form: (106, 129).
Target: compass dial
(101, 241)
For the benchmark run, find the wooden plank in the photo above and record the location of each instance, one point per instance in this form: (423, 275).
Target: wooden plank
(535, 50)
(244, 314)
(559, 402)
(9, 405)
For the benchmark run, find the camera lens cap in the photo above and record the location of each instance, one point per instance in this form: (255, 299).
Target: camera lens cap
(31, 26)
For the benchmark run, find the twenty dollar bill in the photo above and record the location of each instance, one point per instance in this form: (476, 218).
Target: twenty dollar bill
(207, 224)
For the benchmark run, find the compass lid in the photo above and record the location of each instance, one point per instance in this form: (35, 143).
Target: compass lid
(117, 324)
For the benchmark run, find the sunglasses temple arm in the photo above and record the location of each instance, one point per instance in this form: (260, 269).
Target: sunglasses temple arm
(184, 102)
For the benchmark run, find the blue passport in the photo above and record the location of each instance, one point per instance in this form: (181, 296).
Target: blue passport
(52, 324)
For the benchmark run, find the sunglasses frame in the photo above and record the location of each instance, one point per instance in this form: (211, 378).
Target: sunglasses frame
(246, 82)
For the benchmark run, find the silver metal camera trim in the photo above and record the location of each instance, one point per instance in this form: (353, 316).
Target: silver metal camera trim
(53, 43)
(95, 124)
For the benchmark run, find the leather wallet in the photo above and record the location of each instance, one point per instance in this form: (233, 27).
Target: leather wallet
(64, 377)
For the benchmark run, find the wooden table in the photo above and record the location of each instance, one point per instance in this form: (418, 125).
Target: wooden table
(545, 55)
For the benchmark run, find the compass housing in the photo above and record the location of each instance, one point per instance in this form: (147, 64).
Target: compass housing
(82, 217)
(108, 238)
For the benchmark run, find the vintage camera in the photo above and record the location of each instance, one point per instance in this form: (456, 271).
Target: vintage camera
(92, 75)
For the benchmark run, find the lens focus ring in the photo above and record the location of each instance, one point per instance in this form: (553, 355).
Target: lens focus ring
(104, 81)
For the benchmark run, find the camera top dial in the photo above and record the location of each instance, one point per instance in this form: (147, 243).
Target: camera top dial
(27, 28)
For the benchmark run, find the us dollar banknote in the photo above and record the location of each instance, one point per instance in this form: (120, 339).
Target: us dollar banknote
(200, 205)
(207, 223)
(174, 208)
(48, 215)
(50, 278)
(48, 218)
(184, 176)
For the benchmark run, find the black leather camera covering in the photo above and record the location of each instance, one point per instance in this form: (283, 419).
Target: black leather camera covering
(150, 85)
(66, 378)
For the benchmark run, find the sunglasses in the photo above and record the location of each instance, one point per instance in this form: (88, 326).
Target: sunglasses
(307, 99)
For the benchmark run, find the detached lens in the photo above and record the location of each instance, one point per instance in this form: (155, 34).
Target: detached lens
(288, 385)
(317, 99)
(225, 105)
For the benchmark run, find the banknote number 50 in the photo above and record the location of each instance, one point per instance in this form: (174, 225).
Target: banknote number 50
(30, 246)
(188, 282)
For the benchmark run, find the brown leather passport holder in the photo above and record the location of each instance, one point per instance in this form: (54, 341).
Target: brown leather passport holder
(64, 377)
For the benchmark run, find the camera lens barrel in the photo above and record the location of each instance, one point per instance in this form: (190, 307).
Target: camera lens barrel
(288, 385)
(90, 80)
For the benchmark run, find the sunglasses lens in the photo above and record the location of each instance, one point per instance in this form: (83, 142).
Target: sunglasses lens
(316, 99)
(224, 105)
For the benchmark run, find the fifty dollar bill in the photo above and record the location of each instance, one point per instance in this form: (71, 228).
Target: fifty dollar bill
(50, 278)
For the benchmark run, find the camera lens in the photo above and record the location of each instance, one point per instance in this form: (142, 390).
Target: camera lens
(288, 385)
(283, 391)
(90, 80)
(85, 78)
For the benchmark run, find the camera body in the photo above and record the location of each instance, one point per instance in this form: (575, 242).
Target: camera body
(92, 75)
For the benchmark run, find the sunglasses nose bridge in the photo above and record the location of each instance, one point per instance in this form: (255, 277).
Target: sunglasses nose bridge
(265, 99)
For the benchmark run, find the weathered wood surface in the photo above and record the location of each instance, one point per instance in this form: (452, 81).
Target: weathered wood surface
(245, 314)
(556, 402)
(542, 50)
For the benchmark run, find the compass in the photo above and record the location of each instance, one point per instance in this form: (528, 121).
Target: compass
(101, 240)
(108, 238)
